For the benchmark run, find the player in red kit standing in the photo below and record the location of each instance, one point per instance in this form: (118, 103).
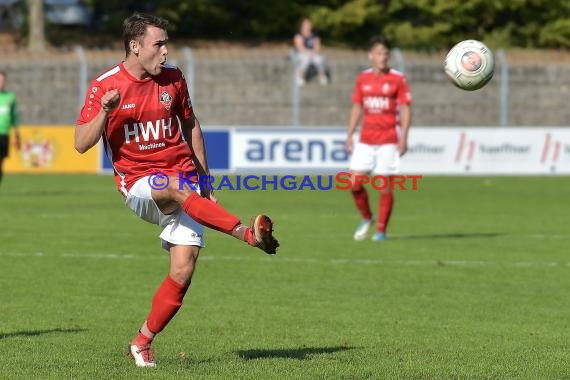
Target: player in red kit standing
(142, 110)
(379, 95)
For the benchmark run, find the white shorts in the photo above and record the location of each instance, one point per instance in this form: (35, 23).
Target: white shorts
(379, 159)
(178, 228)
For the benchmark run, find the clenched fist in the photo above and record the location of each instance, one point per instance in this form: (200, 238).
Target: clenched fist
(110, 100)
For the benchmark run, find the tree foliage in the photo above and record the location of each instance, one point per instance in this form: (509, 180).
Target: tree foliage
(418, 24)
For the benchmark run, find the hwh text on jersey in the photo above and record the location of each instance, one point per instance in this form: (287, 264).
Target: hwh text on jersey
(159, 129)
(376, 103)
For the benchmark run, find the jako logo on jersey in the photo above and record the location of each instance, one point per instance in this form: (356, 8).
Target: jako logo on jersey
(377, 102)
(166, 99)
(158, 129)
(128, 106)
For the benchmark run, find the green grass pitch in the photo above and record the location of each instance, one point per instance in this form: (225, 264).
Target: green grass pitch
(473, 283)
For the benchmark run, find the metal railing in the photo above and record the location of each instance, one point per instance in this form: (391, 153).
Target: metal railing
(257, 87)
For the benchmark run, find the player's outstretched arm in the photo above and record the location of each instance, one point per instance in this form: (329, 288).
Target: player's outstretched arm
(199, 148)
(87, 135)
(405, 125)
(353, 121)
(195, 138)
(193, 129)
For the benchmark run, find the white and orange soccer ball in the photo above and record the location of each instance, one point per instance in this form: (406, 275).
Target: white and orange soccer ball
(470, 65)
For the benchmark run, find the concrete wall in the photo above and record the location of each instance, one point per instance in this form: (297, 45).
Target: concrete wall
(254, 87)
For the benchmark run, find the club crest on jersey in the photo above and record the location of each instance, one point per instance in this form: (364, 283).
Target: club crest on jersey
(166, 99)
(386, 88)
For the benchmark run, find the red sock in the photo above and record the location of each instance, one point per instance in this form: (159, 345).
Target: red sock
(249, 237)
(166, 302)
(361, 199)
(385, 210)
(210, 214)
(141, 340)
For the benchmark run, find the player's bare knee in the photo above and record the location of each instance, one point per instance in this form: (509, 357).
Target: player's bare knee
(182, 273)
(171, 197)
(358, 179)
(180, 191)
(183, 262)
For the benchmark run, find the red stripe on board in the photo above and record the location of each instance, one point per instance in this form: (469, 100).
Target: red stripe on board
(545, 148)
(460, 147)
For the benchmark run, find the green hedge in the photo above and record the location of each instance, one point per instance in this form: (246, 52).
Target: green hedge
(416, 24)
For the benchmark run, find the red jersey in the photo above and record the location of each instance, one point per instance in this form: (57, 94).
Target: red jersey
(380, 96)
(143, 135)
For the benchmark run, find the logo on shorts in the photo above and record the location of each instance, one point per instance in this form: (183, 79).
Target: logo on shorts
(166, 99)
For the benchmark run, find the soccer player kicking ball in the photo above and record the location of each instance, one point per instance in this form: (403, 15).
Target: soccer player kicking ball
(379, 94)
(143, 111)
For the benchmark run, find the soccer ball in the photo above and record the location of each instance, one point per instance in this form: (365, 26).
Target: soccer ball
(470, 65)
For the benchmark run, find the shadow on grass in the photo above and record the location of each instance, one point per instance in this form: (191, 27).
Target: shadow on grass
(33, 333)
(291, 353)
(456, 235)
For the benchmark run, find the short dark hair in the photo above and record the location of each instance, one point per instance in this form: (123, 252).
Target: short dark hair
(134, 27)
(3, 73)
(379, 40)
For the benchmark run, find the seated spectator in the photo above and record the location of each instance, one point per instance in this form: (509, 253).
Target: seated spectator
(308, 47)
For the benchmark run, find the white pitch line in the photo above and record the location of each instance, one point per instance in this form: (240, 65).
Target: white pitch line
(97, 256)
(475, 235)
(280, 259)
(543, 236)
